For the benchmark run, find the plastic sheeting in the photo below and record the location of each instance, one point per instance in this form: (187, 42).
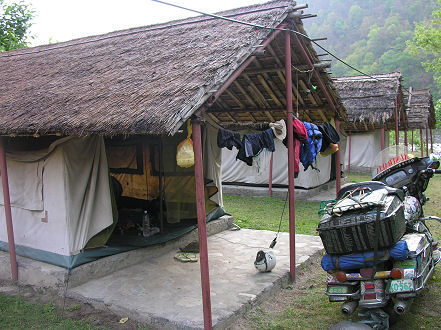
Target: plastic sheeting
(75, 196)
(236, 171)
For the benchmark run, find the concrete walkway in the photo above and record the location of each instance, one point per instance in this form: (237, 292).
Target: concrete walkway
(166, 294)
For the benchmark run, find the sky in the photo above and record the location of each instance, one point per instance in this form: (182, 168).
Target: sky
(62, 20)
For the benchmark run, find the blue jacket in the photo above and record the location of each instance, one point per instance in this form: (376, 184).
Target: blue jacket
(310, 147)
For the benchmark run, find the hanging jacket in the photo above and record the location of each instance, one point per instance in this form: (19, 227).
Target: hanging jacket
(311, 147)
(299, 134)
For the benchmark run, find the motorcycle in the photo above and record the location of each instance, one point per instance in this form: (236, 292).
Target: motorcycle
(379, 251)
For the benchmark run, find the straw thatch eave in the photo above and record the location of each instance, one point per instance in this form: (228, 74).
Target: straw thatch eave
(139, 81)
(370, 101)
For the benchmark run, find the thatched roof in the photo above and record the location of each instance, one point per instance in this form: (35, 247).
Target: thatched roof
(370, 102)
(420, 111)
(147, 80)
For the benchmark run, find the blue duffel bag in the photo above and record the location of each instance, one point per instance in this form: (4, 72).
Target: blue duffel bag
(366, 259)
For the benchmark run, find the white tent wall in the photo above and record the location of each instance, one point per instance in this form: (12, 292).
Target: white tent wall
(74, 195)
(364, 148)
(236, 171)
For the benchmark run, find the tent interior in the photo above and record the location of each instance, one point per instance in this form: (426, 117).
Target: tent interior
(76, 199)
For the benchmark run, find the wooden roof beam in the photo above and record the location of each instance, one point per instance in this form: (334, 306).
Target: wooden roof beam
(235, 98)
(244, 93)
(269, 90)
(256, 91)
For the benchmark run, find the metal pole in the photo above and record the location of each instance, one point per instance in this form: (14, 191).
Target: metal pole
(349, 155)
(338, 163)
(202, 227)
(270, 179)
(382, 139)
(8, 213)
(291, 189)
(421, 142)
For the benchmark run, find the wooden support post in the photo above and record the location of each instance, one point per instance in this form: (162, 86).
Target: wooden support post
(291, 189)
(202, 226)
(382, 138)
(270, 179)
(431, 141)
(349, 154)
(427, 138)
(338, 163)
(8, 212)
(397, 132)
(405, 137)
(412, 139)
(421, 142)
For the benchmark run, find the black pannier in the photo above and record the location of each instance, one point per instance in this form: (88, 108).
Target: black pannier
(349, 225)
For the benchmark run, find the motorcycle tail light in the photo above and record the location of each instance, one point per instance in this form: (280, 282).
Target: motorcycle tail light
(368, 286)
(396, 273)
(341, 276)
(370, 296)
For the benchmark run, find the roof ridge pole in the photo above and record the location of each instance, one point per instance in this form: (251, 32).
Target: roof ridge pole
(202, 226)
(8, 213)
(290, 135)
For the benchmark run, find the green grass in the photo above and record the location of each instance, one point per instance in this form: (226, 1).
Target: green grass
(17, 313)
(265, 213)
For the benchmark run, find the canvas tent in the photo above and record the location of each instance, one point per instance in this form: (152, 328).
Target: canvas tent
(420, 116)
(136, 90)
(374, 105)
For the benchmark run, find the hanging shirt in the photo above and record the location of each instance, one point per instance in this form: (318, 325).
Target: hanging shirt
(228, 139)
(253, 143)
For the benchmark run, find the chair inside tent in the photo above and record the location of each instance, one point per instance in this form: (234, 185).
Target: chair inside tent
(77, 199)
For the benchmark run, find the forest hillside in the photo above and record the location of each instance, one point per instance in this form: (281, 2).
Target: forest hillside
(371, 35)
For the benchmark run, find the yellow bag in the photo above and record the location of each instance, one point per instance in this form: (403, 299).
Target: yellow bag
(185, 152)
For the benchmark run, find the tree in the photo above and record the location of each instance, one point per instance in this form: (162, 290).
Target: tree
(427, 40)
(15, 21)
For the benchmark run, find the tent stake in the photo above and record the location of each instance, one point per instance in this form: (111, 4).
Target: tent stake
(8, 213)
(202, 228)
(291, 189)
